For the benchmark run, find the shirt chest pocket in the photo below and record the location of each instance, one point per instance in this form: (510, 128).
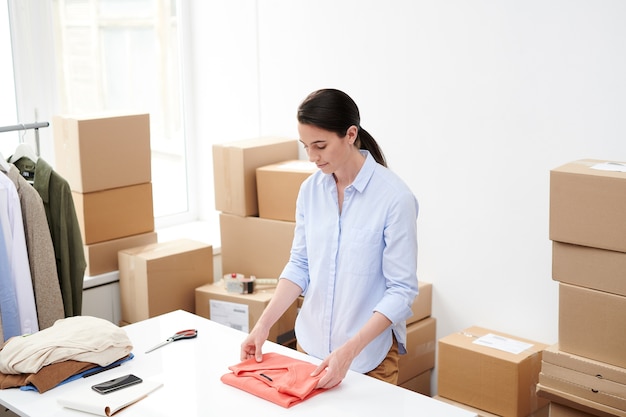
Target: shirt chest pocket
(361, 251)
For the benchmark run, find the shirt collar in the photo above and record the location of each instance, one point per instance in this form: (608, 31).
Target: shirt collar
(362, 178)
(366, 172)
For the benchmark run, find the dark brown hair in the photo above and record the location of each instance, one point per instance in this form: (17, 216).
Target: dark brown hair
(335, 111)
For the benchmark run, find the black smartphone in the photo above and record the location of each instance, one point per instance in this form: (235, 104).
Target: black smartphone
(116, 384)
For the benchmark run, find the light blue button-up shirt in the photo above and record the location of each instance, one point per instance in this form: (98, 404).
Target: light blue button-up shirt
(356, 262)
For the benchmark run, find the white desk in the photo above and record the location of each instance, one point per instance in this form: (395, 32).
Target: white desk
(191, 371)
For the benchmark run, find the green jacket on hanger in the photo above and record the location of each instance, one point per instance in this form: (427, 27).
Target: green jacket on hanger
(64, 228)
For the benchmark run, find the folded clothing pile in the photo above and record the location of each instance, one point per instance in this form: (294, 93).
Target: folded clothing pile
(70, 346)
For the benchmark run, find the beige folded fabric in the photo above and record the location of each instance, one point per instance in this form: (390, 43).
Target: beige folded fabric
(79, 338)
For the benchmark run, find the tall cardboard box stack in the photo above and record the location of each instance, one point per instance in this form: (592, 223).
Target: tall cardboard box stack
(416, 366)
(586, 369)
(491, 372)
(107, 162)
(250, 244)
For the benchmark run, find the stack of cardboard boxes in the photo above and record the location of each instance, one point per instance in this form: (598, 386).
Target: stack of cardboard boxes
(415, 368)
(254, 242)
(106, 161)
(585, 373)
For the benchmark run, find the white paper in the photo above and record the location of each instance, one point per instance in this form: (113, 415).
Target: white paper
(503, 343)
(610, 166)
(87, 400)
(233, 315)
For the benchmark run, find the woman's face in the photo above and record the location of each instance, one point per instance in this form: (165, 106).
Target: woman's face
(325, 148)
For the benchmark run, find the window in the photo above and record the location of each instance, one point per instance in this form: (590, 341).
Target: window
(123, 55)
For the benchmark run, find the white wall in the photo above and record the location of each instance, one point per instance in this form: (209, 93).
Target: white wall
(222, 84)
(473, 102)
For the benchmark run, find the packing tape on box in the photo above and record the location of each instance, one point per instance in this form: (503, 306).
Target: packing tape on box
(267, 281)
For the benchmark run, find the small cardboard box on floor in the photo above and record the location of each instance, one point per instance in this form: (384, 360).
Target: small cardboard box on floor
(242, 311)
(588, 204)
(234, 170)
(491, 371)
(162, 277)
(586, 378)
(278, 186)
(102, 151)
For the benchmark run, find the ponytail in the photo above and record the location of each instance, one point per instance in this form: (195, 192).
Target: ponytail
(368, 143)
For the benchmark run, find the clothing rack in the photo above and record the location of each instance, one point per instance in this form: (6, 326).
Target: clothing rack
(27, 126)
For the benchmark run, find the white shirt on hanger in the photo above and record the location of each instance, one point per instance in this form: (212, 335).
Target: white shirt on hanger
(13, 233)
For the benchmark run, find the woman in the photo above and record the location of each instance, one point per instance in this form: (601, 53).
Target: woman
(354, 253)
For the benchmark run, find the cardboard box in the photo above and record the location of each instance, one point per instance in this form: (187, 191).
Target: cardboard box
(421, 345)
(255, 246)
(594, 268)
(278, 186)
(583, 385)
(588, 205)
(591, 324)
(99, 152)
(242, 311)
(572, 401)
(489, 378)
(114, 213)
(420, 383)
(422, 306)
(542, 412)
(102, 257)
(558, 410)
(162, 277)
(234, 170)
(602, 371)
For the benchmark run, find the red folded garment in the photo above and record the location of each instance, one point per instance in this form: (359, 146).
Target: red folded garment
(280, 379)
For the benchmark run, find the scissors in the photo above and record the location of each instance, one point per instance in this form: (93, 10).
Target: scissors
(183, 334)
